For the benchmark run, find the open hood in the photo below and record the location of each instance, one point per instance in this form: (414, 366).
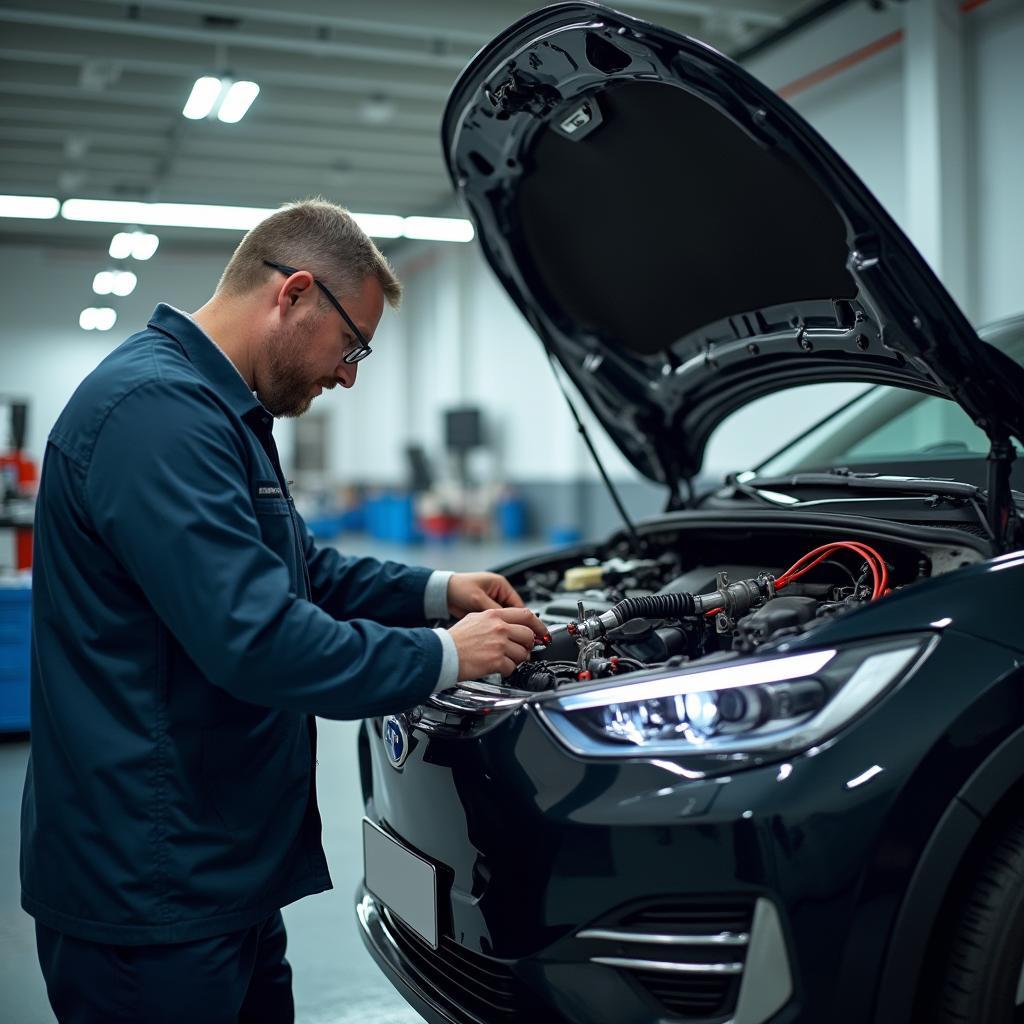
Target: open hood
(683, 242)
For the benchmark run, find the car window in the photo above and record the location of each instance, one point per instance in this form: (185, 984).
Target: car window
(931, 426)
(890, 424)
(756, 431)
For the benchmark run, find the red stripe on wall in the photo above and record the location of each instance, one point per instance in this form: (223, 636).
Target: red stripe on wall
(843, 64)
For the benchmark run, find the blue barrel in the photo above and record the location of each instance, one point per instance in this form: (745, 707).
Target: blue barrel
(511, 515)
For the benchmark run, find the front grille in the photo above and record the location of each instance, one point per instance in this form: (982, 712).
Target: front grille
(688, 954)
(484, 987)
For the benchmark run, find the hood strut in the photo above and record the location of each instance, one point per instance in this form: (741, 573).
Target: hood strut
(1002, 512)
(639, 547)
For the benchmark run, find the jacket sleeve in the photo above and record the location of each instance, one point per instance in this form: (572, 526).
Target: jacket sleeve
(167, 490)
(347, 587)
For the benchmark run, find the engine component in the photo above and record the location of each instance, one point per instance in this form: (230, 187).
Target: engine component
(583, 577)
(636, 613)
(783, 613)
(649, 640)
(732, 598)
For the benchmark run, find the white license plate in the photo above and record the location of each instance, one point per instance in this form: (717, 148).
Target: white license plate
(402, 880)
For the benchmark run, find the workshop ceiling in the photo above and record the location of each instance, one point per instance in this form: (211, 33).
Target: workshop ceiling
(91, 93)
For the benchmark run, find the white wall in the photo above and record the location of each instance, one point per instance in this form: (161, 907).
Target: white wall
(996, 84)
(44, 354)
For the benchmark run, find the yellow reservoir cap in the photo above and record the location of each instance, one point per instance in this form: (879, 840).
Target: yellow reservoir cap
(583, 577)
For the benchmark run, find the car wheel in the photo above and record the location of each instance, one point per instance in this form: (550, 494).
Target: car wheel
(982, 978)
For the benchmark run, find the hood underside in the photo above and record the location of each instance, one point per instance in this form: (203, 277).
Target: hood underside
(683, 242)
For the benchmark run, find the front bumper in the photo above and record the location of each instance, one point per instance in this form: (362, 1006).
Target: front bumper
(451, 985)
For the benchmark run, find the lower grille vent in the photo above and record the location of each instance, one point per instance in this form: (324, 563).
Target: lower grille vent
(691, 997)
(485, 987)
(687, 953)
(690, 916)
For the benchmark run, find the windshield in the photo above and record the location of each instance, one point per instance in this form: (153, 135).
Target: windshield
(887, 425)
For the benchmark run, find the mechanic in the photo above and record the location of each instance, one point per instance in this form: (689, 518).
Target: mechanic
(187, 629)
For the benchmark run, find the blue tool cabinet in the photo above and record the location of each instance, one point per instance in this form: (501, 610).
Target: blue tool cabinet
(15, 645)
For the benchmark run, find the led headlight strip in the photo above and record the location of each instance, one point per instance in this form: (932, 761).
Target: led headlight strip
(742, 712)
(748, 674)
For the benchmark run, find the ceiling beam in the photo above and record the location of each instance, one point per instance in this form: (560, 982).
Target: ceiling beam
(711, 9)
(229, 38)
(280, 103)
(34, 44)
(391, 25)
(203, 136)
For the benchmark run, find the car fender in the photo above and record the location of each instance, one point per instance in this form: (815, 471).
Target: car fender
(922, 904)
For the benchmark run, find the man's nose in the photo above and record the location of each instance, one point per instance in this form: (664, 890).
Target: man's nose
(346, 374)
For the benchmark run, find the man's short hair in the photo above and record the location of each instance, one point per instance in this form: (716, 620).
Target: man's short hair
(314, 235)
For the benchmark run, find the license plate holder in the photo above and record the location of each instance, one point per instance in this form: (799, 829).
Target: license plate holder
(403, 881)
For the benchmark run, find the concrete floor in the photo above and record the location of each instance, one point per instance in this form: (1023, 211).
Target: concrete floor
(336, 982)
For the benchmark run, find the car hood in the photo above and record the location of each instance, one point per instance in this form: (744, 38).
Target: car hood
(683, 242)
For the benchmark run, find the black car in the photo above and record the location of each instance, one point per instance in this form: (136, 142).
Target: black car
(771, 765)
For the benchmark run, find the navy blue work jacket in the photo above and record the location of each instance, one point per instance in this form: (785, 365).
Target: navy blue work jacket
(185, 630)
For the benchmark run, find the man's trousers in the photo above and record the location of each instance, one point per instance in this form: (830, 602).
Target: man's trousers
(238, 978)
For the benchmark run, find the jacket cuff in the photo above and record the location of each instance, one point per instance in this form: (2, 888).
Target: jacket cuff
(448, 676)
(435, 597)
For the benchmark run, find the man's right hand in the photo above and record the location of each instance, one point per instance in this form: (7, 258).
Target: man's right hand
(495, 640)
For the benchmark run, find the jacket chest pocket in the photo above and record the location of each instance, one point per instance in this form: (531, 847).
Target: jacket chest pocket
(277, 528)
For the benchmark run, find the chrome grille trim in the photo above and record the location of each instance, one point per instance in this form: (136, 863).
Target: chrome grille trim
(630, 964)
(650, 939)
(469, 701)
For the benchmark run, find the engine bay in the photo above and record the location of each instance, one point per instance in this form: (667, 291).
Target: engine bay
(615, 612)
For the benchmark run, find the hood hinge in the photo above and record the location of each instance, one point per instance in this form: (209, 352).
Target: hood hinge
(1000, 509)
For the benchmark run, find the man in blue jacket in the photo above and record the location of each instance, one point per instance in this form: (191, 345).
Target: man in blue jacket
(186, 628)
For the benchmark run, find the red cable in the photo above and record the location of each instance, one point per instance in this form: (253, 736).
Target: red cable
(876, 564)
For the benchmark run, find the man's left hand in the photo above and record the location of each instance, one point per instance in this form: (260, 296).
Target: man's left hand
(478, 591)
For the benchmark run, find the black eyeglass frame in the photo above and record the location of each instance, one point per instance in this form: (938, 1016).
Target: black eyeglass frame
(362, 348)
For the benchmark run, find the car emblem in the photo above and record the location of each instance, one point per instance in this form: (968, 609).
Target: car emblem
(396, 740)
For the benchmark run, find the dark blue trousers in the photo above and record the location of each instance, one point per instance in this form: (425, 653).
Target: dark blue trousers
(238, 978)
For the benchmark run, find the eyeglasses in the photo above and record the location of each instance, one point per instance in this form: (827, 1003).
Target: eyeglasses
(362, 347)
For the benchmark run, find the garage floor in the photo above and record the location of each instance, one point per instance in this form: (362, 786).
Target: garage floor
(336, 982)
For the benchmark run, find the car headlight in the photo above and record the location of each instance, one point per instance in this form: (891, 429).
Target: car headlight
(736, 714)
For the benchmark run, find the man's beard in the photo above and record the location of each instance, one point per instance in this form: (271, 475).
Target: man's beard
(286, 387)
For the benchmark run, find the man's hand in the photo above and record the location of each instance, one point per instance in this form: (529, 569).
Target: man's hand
(495, 640)
(478, 591)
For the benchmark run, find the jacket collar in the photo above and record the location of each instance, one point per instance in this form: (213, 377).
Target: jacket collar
(206, 357)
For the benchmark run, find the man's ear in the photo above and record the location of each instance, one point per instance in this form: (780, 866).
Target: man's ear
(295, 287)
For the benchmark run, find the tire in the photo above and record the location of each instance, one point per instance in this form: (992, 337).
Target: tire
(980, 979)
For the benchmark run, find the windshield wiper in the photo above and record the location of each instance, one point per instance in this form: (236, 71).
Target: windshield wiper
(955, 491)
(867, 482)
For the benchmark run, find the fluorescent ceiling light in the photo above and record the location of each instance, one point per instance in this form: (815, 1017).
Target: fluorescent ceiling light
(139, 245)
(202, 98)
(237, 101)
(97, 318)
(121, 245)
(114, 282)
(242, 218)
(124, 282)
(438, 229)
(175, 215)
(379, 225)
(29, 207)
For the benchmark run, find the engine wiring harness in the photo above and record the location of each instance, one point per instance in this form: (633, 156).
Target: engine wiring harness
(746, 613)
